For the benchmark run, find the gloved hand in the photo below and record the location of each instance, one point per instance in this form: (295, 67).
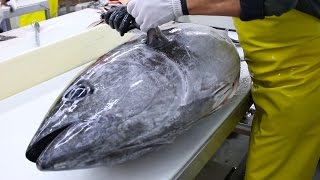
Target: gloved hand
(152, 13)
(118, 18)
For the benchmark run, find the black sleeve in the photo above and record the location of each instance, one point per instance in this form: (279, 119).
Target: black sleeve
(251, 9)
(184, 7)
(258, 9)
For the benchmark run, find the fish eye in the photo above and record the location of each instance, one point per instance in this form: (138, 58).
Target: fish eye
(78, 91)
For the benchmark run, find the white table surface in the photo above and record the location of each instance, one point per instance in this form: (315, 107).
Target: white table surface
(52, 30)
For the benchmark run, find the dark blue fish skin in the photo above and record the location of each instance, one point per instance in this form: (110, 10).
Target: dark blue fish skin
(137, 98)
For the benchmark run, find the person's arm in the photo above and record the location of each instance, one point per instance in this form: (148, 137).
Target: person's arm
(152, 13)
(214, 7)
(245, 9)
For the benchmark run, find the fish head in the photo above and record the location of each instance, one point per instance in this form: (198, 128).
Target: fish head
(62, 117)
(73, 134)
(93, 122)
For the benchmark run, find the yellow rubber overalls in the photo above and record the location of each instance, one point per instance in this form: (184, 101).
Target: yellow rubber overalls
(284, 61)
(39, 16)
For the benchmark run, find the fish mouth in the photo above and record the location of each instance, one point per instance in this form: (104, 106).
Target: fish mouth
(39, 146)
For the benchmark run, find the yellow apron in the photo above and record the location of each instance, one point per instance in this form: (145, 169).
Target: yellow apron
(39, 16)
(284, 61)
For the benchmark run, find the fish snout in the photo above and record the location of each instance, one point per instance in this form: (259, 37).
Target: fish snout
(77, 145)
(41, 141)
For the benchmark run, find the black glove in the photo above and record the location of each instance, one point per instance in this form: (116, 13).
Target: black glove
(118, 18)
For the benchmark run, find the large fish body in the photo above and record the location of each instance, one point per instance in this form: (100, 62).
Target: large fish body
(137, 98)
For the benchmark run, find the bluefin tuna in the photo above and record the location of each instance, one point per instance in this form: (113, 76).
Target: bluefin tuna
(137, 98)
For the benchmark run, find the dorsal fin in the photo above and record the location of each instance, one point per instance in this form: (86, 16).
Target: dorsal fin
(155, 38)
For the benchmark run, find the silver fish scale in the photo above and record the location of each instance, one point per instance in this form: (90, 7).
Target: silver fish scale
(137, 98)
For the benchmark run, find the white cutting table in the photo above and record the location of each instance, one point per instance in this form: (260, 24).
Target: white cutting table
(21, 115)
(51, 31)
